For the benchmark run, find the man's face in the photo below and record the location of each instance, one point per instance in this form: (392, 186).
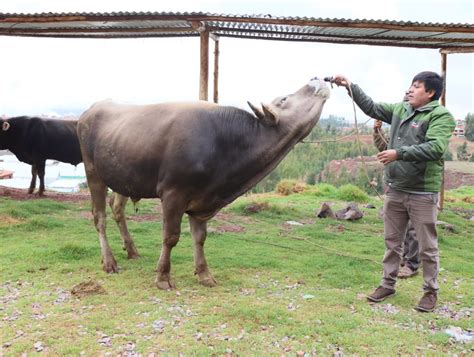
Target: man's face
(418, 96)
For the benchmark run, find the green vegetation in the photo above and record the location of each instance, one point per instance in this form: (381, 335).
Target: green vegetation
(469, 128)
(282, 288)
(350, 192)
(307, 160)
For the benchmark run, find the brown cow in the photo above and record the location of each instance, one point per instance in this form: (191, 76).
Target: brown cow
(196, 157)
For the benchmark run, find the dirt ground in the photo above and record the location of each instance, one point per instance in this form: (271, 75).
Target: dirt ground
(22, 194)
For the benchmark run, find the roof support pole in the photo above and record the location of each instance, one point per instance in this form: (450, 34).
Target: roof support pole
(216, 69)
(444, 61)
(204, 70)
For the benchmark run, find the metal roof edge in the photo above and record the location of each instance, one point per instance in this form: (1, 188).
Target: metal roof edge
(266, 17)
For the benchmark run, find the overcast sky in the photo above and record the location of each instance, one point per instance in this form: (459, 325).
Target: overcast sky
(41, 76)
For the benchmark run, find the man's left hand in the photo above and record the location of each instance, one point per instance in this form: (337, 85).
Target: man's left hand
(387, 156)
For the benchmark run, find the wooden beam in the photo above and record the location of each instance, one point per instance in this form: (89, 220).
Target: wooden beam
(95, 29)
(450, 50)
(204, 65)
(216, 69)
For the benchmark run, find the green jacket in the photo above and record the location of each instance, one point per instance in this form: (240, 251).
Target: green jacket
(420, 138)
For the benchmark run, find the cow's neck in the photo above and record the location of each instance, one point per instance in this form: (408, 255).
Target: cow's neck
(277, 145)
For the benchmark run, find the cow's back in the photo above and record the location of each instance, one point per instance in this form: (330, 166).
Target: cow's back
(57, 139)
(34, 140)
(139, 151)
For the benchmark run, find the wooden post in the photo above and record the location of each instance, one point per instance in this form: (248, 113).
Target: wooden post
(444, 61)
(204, 71)
(216, 69)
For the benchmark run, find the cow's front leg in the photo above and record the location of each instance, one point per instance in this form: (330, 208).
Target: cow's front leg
(199, 233)
(117, 203)
(173, 210)
(34, 173)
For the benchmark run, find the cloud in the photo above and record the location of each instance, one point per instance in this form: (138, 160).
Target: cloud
(41, 75)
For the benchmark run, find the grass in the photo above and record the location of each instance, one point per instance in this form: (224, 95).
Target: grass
(282, 288)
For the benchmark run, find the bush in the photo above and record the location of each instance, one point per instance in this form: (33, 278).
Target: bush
(352, 193)
(323, 189)
(287, 187)
(448, 155)
(463, 153)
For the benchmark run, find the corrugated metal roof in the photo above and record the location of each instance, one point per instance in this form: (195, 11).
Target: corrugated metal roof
(168, 24)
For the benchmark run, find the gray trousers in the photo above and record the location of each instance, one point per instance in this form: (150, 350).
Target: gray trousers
(411, 257)
(421, 209)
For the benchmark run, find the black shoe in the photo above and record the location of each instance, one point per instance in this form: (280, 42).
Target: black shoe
(380, 294)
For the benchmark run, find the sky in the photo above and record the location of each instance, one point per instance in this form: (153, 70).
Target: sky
(51, 76)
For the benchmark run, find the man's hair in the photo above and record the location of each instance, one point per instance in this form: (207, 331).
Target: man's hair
(432, 81)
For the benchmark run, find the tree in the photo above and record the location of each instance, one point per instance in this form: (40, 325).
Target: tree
(469, 127)
(463, 154)
(448, 155)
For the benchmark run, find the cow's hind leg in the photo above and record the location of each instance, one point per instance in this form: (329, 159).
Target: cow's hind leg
(41, 169)
(199, 233)
(98, 194)
(173, 210)
(117, 204)
(34, 173)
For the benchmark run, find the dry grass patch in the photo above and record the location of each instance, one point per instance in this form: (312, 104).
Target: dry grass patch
(6, 220)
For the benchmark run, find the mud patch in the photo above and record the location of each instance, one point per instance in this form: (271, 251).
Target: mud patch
(22, 194)
(144, 217)
(256, 207)
(232, 228)
(87, 288)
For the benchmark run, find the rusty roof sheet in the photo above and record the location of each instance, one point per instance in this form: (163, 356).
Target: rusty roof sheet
(444, 36)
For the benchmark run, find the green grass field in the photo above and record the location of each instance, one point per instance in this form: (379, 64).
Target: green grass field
(282, 288)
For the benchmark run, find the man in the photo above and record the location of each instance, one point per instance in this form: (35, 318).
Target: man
(410, 259)
(419, 135)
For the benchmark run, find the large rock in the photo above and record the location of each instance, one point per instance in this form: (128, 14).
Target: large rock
(325, 211)
(350, 213)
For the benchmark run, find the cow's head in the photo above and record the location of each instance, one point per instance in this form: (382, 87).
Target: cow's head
(5, 125)
(4, 130)
(297, 109)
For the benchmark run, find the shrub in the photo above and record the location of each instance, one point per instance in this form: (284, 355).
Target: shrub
(287, 187)
(350, 192)
(324, 189)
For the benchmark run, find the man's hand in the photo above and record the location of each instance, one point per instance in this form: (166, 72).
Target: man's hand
(387, 156)
(377, 124)
(341, 80)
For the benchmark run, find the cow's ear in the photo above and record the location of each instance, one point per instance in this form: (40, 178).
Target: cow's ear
(5, 126)
(270, 117)
(256, 111)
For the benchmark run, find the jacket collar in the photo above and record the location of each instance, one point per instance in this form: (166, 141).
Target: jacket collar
(425, 108)
(429, 106)
(409, 111)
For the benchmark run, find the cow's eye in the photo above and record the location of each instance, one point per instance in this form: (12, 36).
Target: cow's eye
(283, 100)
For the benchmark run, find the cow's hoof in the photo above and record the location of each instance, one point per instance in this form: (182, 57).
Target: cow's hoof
(132, 252)
(165, 285)
(133, 255)
(205, 278)
(209, 282)
(110, 267)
